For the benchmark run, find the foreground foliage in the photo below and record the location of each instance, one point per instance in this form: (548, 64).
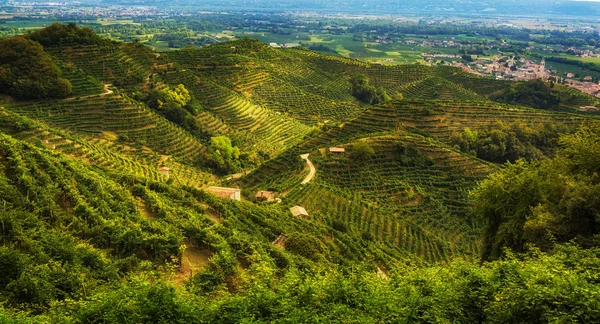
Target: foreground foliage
(544, 202)
(560, 286)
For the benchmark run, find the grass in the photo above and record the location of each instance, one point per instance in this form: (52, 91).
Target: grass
(345, 45)
(161, 46)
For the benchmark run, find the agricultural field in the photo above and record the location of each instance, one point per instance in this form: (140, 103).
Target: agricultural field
(564, 69)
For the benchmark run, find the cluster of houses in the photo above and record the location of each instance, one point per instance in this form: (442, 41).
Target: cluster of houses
(586, 86)
(505, 68)
(286, 45)
(61, 9)
(583, 52)
(261, 195)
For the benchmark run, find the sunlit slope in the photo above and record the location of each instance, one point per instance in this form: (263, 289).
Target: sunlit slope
(225, 112)
(125, 118)
(126, 65)
(103, 149)
(413, 178)
(129, 218)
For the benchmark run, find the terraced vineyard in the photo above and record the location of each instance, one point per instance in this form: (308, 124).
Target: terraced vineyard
(283, 83)
(123, 65)
(304, 106)
(276, 130)
(437, 88)
(408, 198)
(440, 119)
(431, 243)
(574, 99)
(83, 84)
(401, 203)
(102, 150)
(386, 193)
(227, 112)
(483, 86)
(184, 184)
(120, 115)
(403, 206)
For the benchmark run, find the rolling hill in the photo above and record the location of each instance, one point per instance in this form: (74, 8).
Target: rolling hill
(109, 188)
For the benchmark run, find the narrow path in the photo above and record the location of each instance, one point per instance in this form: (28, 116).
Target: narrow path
(106, 92)
(312, 172)
(237, 175)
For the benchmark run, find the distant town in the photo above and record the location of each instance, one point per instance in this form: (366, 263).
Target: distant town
(498, 47)
(507, 68)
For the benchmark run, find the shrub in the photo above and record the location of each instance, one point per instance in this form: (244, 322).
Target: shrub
(305, 245)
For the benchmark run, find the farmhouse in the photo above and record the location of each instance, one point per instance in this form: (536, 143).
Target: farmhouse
(231, 193)
(299, 211)
(337, 150)
(164, 170)
(266, 195)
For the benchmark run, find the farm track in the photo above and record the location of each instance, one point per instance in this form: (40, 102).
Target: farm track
(311, 167)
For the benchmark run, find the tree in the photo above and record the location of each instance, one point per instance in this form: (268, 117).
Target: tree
(362, 151)
(222, 145)
(69, 34)
(178, 106)
(367, 93)
(543, 202)
(534, 93)
(224, 155)
(28, 72)
(305, 245)
(179, 95)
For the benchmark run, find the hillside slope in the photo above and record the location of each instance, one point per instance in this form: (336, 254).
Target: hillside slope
(107, 213)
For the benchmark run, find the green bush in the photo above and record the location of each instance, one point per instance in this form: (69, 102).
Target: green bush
(27, 72)
(305, 245)
(367, 93)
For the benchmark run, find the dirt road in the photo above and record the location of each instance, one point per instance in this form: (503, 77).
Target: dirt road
(312, 172)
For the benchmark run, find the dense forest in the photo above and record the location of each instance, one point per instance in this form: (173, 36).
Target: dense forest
(61, 34)
(245, 183)
(543, 202)
(27, 71)
(500, 142)
(534, 93)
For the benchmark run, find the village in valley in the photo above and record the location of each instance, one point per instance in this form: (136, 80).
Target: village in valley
(521, 69)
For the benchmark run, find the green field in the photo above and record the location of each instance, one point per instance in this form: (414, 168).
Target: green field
(563, 69)
(345, 45)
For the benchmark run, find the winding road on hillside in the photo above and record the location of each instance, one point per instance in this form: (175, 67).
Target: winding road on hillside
(106, 92)
(312, 172)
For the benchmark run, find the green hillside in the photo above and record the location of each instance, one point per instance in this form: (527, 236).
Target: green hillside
(109, 210)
